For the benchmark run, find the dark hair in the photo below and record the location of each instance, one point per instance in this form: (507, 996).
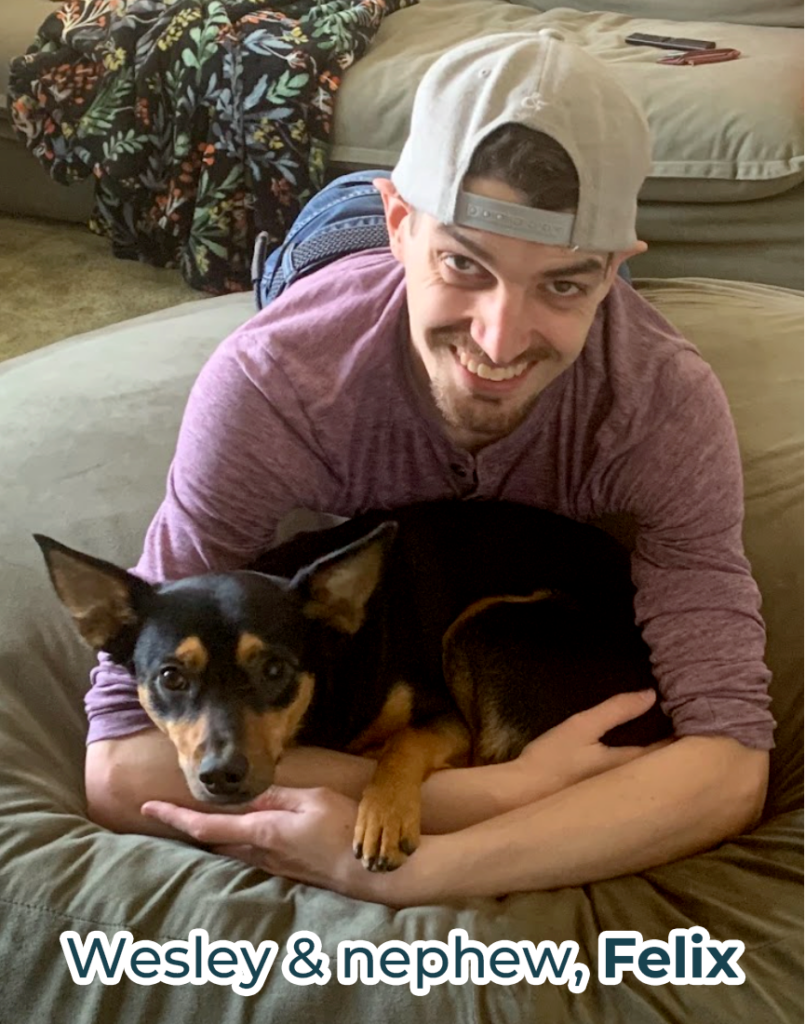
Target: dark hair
(530, 162)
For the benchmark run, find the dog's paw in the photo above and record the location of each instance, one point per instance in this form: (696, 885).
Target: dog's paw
(387, 829)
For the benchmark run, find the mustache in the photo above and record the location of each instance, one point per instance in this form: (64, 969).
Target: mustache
(461, 339)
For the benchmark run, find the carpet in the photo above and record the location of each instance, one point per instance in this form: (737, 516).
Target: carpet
(58, 279)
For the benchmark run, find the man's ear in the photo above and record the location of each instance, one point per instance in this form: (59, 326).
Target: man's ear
(618, 258)
(398, 213)
(108, 604)
(337, 587)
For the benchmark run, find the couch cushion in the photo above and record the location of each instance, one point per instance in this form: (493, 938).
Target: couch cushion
(747, 334)
(89, 428)
(722, 132)
(775, 13)
(758, 241)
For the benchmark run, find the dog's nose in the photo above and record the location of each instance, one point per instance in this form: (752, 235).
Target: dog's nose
(222, 775)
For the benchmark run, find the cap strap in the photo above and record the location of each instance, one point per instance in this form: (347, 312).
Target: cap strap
(514, 220)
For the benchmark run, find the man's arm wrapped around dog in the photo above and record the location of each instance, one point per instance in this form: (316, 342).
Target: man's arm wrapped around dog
(278, 421)
(668, 804)
(252, 447)
(696, 600)
(124, 772)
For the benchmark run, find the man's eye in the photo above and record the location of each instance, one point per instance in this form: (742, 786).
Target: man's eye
(172, 679)
(462, 265)
(566, 288)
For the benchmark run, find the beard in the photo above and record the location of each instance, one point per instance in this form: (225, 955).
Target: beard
(483, 416)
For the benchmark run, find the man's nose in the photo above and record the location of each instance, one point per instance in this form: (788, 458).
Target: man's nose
(502, 325)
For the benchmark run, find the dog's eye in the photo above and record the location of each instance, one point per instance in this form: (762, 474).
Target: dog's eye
(172, 679)
(275, 669)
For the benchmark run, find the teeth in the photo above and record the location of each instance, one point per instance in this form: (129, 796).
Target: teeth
(488, 372)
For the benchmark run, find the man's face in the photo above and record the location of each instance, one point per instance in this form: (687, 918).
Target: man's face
(493, 320)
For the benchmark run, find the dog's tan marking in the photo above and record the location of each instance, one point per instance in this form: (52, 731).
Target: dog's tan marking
(268, 733)
(493, 740)
(188, 736)
(144, 696)
(497, 741)
(249, 647)
(99, 603)
(387, 829)
(192, 653)
(457, 667)
(339, 592)
(461, 683)
(395, 715)
(487, 602)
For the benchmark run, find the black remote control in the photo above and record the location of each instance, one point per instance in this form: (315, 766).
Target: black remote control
(669, 42)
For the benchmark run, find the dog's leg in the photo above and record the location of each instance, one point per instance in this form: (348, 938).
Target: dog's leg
(387, 829)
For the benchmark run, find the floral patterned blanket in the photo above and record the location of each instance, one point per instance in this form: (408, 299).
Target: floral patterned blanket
(202, 121)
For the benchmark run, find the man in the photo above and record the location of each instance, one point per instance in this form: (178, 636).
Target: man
(490, 354)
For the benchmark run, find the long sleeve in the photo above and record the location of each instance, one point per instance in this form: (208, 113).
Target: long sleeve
(696, 599)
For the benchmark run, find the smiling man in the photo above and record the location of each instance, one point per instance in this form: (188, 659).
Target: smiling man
(492, 323)
(491, 353)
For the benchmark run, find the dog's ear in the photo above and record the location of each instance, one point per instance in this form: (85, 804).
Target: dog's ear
(107, 603)
(337, 587)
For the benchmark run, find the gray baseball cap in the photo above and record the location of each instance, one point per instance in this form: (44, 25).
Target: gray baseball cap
(544, 82)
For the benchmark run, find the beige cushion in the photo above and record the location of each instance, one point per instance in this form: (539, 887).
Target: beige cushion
(758, 241)
(777, 13)
(752, 337)
(722, 132)
(89, 427)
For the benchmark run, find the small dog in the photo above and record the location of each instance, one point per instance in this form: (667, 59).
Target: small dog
(437, 634)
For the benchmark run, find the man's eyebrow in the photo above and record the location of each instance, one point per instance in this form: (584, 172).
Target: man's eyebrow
(473, 247)
(591, 265)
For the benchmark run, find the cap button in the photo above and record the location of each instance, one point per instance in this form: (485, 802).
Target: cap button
(551, 33)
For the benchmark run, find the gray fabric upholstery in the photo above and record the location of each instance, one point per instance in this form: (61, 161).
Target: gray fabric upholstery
(89, 428)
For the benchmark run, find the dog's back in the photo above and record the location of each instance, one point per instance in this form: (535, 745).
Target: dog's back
(529, 663)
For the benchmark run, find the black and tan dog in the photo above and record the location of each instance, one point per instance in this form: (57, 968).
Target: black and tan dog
(436, 634)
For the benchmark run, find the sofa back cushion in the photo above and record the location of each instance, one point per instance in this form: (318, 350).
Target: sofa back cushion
(727, 132)
(775, 13)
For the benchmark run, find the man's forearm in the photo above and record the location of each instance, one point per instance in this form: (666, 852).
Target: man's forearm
(122, 774)
(672, 803)
(452, 799)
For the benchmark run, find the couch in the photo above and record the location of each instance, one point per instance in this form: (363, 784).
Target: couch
(89, 429)
(724, 199)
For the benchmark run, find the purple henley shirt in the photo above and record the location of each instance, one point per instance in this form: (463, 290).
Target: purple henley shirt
(311, 404)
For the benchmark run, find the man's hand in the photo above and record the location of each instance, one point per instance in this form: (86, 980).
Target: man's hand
(669, 804)
(562, 757)
(301, 834)
(305, 834)
(122, 774)
(572, 751)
